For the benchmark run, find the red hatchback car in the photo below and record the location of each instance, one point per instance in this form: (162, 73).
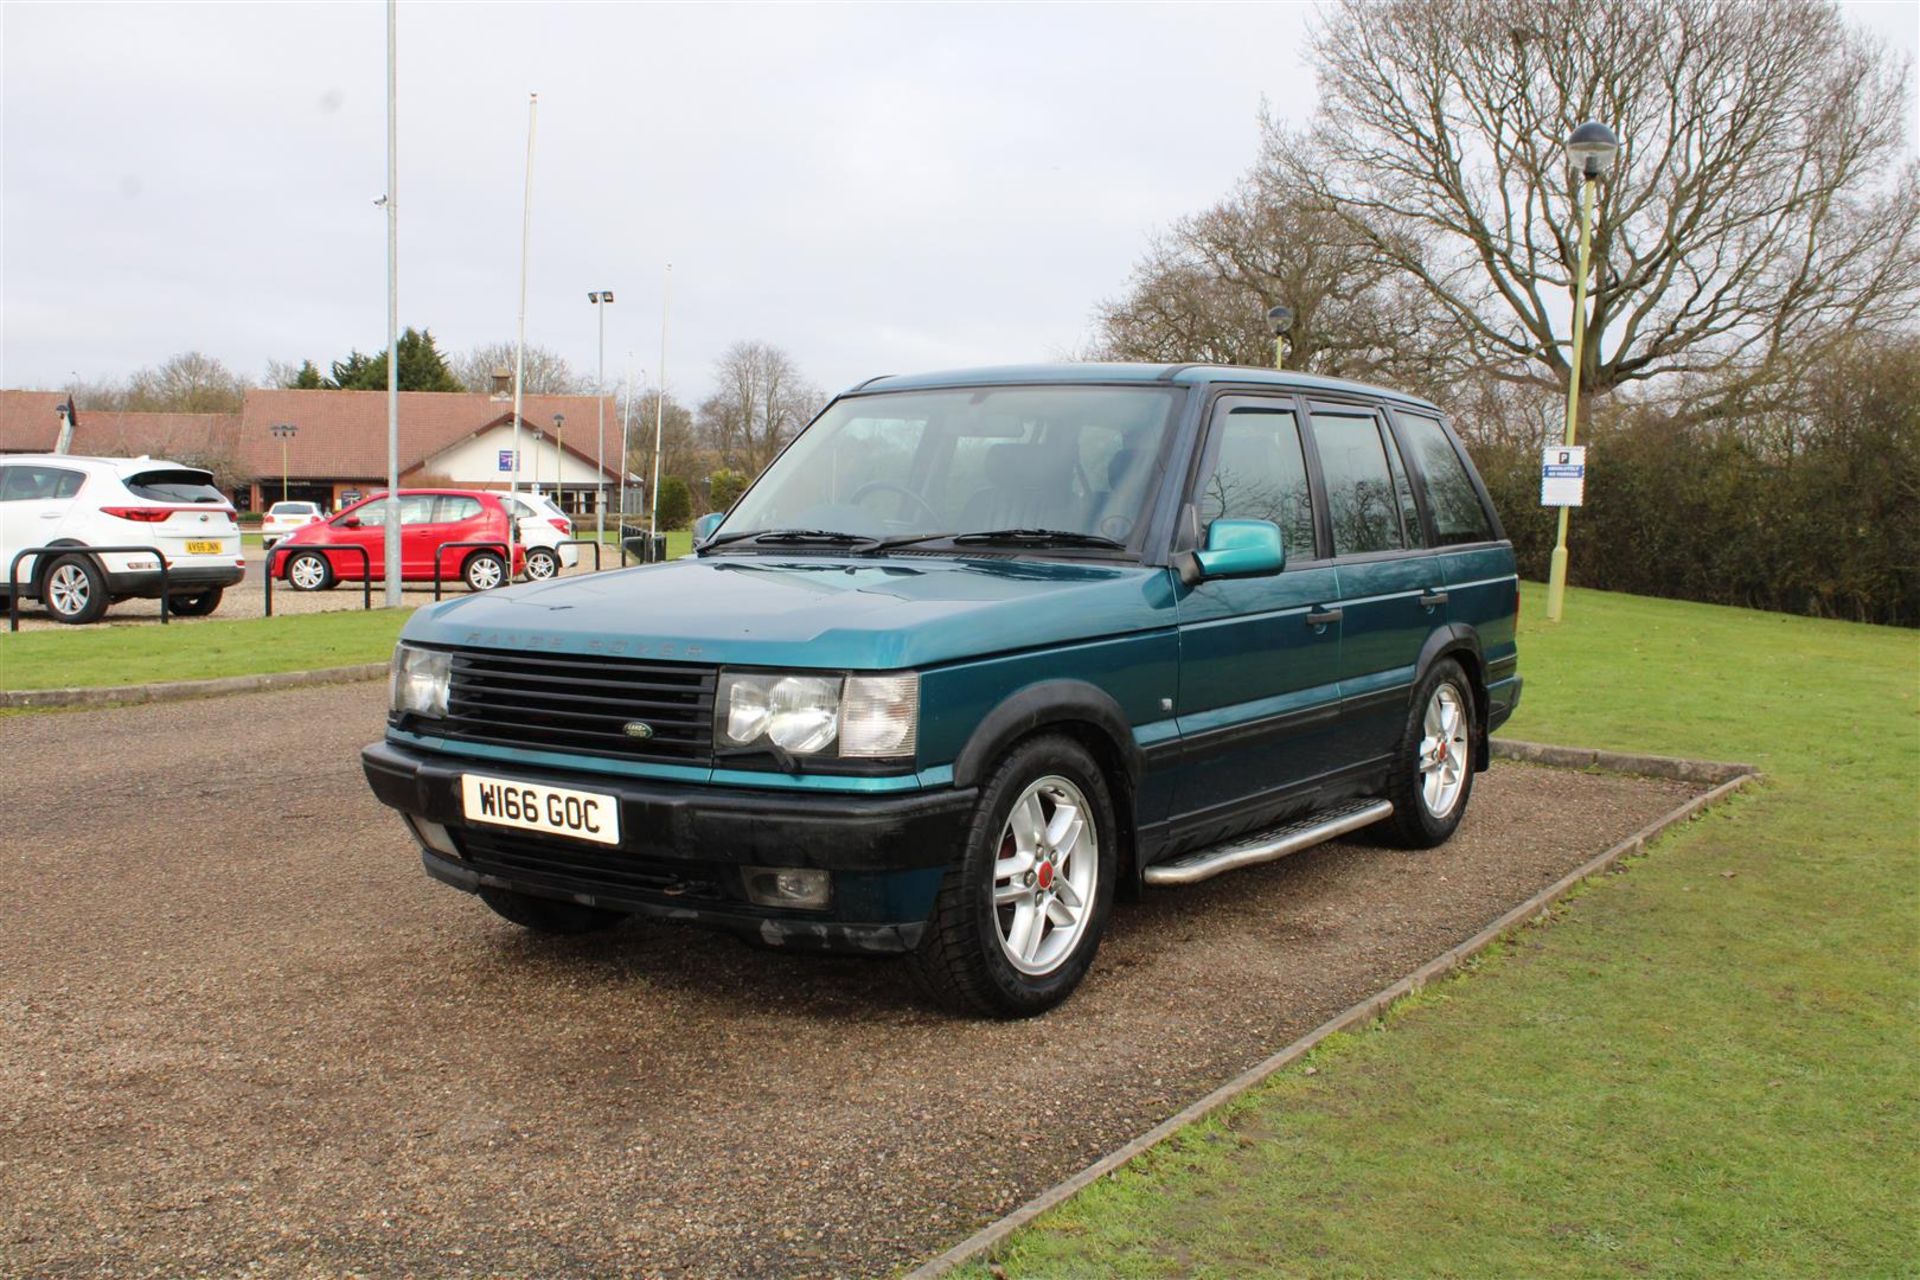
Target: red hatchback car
(430, 519)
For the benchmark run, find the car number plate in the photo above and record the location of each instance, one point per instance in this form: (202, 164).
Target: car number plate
(554, 811)
(204, 547)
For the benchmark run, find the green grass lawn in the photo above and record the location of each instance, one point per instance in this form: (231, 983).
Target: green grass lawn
(83, 656)
(1706, 1066)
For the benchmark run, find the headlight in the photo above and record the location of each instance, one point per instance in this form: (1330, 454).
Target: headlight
(418, 684)
(855, 717)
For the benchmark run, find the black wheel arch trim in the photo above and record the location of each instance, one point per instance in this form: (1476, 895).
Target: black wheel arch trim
(1034, 707)
(1462, 638)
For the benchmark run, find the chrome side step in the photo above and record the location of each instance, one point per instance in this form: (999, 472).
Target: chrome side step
(1276, 842)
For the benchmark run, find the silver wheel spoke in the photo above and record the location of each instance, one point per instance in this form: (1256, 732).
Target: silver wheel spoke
(1045, 880)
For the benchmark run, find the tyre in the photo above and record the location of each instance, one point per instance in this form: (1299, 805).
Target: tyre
(548, 915)
(74, 590)
(483, 571)
(310, 571)
(1019, 917)
(197, 605)
(1433, 763)
(542, 563)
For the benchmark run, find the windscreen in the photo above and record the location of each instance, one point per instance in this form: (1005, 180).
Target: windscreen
(175, 485)
(1079, 459)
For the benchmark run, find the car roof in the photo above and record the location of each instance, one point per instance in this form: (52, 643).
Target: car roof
(1097, 373)
(119, 466)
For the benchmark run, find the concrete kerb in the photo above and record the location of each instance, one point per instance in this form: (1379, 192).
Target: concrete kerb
(1728, 777)
(180, 690)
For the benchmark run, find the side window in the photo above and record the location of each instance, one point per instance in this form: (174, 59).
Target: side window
(1457, 514)
(450, 511)
(1257, 470)
(27, 483)
(371, 516)
(417, 508)
(1403, 493)
(1360, 499)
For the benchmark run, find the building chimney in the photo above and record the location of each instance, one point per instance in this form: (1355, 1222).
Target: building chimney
(503, 384)
(64, 443)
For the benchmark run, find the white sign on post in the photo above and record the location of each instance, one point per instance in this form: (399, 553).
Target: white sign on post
(1563, 475)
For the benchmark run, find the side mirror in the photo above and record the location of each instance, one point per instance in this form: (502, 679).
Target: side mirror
(1241, 549)
(351, 522)
(703, 527)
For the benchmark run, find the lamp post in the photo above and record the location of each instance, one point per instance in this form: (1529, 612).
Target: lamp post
(1591, 147)
(600, 298)
(559, 458)
(283, 431)
(1279, 321)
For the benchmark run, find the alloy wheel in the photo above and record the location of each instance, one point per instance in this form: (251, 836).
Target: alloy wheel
(1444, 756)
(68, 589)
(1045, 876)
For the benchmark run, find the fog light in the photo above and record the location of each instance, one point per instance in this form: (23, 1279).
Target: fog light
(788, 887)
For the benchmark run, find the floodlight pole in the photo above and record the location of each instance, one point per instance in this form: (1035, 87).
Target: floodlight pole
(600, 298)
(520, 342)
(659, 411)
(283, 431)
(391, 536)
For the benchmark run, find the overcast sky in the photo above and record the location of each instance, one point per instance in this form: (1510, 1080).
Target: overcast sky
(876, 189)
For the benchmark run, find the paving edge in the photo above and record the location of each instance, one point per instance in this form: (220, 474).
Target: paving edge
(996, 1232)
(178, 690)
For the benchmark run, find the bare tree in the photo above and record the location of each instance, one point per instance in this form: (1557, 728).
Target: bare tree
(547, 372)
(186, 383)
(1763, 202)
(1203, 289)
(678, 447)
(761, 402)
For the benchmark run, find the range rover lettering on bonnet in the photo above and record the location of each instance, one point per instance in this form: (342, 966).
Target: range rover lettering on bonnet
(1141, 625)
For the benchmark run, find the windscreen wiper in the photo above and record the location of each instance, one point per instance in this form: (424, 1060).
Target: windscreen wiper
(825, 537)
(1038, 537)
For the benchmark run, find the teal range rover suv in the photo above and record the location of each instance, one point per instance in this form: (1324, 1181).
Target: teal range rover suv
(979, 654)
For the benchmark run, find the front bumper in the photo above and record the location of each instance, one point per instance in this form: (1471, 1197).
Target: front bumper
(683, 846)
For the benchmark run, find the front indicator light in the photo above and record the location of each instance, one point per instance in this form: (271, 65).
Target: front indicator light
(879, 716)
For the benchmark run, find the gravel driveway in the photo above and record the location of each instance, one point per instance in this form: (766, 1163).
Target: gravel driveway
(241, 1031)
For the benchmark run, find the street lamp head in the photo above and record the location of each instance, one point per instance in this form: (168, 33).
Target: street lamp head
(1279, 320)
(559, 421)
(1592, 147)
(600, 295)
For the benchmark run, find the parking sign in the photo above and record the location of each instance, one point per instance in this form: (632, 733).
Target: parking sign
(1563, 475)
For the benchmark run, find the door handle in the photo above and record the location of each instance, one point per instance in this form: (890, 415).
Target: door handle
(1432, 599)
(1322, 617)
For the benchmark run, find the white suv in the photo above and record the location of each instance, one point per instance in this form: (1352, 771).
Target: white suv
(59, 501)
(284, 517)
(542, 525)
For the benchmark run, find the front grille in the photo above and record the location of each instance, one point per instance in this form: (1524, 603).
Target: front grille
(582, 705)
(567, 867)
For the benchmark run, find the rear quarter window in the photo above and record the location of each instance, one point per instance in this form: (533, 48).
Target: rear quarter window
(174, 486)
(1454, 502)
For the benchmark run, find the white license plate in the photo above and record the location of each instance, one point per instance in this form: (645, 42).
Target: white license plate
(554, 811)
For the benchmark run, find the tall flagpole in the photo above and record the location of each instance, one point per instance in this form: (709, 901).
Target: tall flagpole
(660, 407)
(520, 343)
(391, 568)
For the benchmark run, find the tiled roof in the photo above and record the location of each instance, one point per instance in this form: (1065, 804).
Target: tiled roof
(342, 434)
(28, 424)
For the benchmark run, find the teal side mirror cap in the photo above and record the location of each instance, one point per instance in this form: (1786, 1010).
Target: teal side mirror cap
(1241, 549)
(703, 527)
